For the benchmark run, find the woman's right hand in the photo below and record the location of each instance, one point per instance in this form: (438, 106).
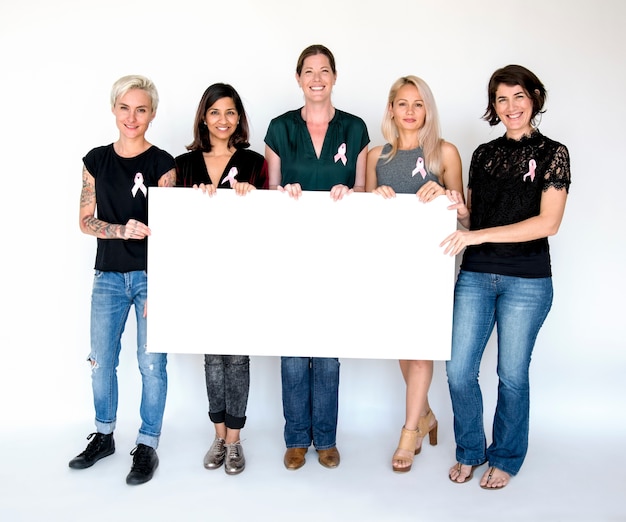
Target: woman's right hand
(293, 189)
(385, 191)
(134, 229)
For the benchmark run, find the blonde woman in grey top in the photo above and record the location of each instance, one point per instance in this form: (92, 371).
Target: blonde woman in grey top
(415, 160)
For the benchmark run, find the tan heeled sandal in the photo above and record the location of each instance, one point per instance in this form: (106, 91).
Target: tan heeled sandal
(406, 450)
(427, 425)
(411, 442)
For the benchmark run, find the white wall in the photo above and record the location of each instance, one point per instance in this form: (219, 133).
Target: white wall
(59, 60)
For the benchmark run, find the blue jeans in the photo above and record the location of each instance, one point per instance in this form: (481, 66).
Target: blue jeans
(112, 296)
(517, 306)
(310, 401)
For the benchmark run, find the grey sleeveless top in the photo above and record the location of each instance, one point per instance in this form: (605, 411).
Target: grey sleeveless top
(406, 172)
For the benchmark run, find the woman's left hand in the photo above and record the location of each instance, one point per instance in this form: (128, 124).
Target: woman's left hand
(243, 187)
(206, 189)
(429, 191)
(339, 191)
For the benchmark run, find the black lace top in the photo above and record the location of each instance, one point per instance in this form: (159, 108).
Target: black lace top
(507, 178)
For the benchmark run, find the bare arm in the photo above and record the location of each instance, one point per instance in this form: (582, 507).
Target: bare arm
(371, 181)
(452, 171)
(359, 179)
(545, 224)
(273, 168)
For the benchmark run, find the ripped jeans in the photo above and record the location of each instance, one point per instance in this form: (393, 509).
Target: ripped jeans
(112, 296)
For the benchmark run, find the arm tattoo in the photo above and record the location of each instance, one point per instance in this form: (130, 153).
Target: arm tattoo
(88, 192)
(101, 228)
(168, 179)
(88, 198)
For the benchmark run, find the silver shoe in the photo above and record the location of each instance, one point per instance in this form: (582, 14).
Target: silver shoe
(214, 458)
(235, 461)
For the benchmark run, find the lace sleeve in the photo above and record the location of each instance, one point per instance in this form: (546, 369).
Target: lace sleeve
(558, 174)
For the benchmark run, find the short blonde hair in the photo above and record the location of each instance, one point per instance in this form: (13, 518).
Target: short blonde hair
(134, 81)
(429, 135)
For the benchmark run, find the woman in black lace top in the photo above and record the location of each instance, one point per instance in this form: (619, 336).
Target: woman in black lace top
(517, 189)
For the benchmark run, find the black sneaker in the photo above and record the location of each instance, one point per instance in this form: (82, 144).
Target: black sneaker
(145, 461)
(100, 446)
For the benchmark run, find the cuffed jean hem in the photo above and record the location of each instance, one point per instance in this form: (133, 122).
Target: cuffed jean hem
(217, 417)
(234, 423)
(105, 427)
(230, 421)
(147, 440)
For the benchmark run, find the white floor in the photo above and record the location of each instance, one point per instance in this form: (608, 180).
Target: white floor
(568, 476)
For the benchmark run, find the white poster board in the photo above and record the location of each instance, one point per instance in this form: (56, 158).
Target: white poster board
(264, 274)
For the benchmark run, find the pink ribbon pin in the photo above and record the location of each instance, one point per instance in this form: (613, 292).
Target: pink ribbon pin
(341, 154)
(139, 185)
(419, 167)
(532, 165)
(232, 174)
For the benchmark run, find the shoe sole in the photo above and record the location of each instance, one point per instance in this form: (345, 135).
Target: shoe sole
(93, 462)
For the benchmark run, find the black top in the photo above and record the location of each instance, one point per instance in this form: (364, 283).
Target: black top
(250, 167)
(507, 178)
(121, 194)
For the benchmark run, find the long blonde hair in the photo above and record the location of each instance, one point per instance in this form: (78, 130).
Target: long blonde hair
(429, 135)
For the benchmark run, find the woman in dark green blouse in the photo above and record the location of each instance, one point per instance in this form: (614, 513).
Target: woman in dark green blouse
(316, 147)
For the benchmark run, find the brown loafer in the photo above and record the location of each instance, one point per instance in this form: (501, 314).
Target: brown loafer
(294, 458)
(329, 458)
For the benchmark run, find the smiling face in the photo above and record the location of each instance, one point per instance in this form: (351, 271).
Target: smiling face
(133, 113)
(222, 119)
(317, 78)
(515, 109)
(408, 109)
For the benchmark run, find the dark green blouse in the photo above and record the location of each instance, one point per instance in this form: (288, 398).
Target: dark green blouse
(345, 138)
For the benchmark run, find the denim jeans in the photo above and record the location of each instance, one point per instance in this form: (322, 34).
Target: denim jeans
(310, 401)
(227, 385)
(112, 296)
(517, 306)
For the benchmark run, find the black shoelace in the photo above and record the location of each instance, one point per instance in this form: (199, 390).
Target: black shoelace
(142, 460)
(95, 445)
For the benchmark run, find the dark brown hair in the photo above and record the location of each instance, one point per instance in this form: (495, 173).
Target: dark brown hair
(515, 75)
(312, 50)
(201, 137)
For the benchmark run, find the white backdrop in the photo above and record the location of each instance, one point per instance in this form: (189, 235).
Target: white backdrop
(59, 60)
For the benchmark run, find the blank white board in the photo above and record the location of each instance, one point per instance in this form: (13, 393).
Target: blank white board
(264, 274)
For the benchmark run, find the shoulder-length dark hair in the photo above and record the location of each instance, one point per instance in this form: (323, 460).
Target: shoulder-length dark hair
(515, 75)
(201, 137)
